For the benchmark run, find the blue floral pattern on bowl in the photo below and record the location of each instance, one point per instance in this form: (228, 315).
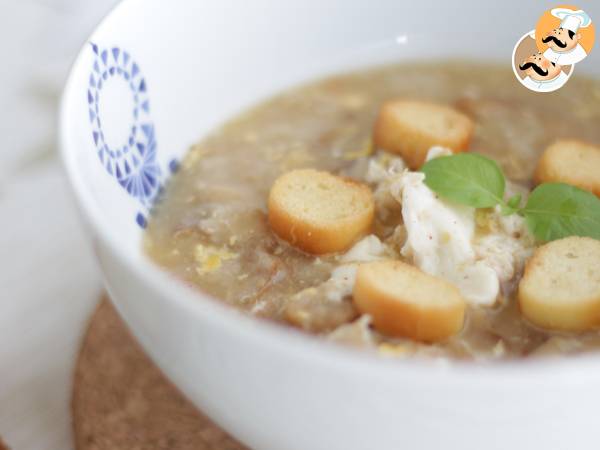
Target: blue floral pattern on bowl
(133, 162)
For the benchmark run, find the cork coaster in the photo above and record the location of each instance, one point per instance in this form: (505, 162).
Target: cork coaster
(121, 400)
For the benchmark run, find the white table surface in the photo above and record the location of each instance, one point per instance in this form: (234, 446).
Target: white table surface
(48, 280)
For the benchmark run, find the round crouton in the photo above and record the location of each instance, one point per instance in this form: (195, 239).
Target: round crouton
(411, 128)
(560, 289)
(572, 162)
(403, 301)
(319, 212)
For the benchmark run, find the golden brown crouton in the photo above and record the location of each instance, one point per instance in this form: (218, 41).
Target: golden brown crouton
(403, 301)
(560, 289)
(319, 212)
(572, 162)
(411, 128)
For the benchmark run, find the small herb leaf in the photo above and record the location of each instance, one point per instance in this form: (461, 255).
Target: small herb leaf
(466, 178)
(511, 206)
(514, 201)
(558, 210)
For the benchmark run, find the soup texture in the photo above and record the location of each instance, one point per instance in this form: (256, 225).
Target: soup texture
(211, 227)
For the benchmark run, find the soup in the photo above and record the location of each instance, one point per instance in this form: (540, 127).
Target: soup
(212, 227)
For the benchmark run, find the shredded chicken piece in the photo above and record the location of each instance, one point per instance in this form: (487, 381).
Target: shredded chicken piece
(355, 334)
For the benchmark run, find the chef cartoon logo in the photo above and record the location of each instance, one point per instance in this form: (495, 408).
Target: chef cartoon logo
(565, 35)
(544, 59)
(534, 70)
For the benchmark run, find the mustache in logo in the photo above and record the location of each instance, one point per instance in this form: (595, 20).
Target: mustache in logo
(541, 72)
(555, 40)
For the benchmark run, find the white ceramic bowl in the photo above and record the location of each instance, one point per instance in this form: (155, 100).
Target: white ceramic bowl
(155, 77)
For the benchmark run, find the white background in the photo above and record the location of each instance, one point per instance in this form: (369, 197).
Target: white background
(48, 282)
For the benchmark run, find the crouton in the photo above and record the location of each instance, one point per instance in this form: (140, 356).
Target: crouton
(572, 162)
(411, 128)
(560, 289)
(403, 301)
(319, 212)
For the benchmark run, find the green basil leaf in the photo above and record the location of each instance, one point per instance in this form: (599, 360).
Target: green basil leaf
(558, 210)
(466, 178)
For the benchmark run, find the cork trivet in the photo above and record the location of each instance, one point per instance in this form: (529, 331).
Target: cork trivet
(121, 400)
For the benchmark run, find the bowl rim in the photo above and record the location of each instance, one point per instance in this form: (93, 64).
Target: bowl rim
(527, 371)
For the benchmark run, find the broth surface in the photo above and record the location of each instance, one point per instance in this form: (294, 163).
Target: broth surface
(211, 230)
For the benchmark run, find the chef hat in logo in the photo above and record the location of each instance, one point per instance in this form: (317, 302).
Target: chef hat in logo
(572, 20)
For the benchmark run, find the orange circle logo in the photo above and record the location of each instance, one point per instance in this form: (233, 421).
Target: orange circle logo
(565, 35)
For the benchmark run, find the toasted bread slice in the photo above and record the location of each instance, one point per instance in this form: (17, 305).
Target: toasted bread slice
(572, 162)
(411, 128)
(560, 289)
(319, 212)
(403, 301)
